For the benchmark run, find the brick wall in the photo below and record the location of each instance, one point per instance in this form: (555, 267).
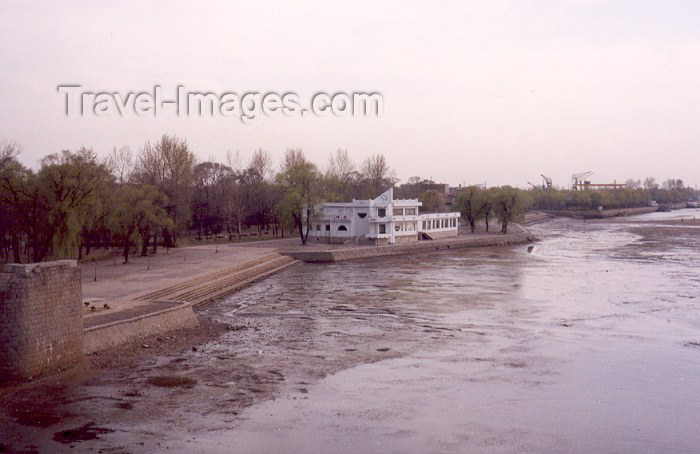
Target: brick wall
(40, 319)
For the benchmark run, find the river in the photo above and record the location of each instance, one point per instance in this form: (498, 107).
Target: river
(590, 342)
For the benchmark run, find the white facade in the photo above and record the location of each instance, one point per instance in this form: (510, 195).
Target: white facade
(383, 220)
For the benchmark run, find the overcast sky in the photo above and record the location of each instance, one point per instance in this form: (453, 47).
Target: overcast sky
(488, 91)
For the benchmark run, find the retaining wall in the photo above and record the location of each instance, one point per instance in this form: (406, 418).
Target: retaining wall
(600, 214)
(41, 327)
(466, 241)
(103, 337)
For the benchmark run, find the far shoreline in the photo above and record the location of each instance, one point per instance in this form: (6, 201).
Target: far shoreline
(312, 253)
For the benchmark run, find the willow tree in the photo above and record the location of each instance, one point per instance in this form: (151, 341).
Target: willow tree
(11, 228)
(467, 201)
(136, 209)
(299, 179)
(510, 205)
(52, 204)
(168, 164)
(432, 201)
(484, 205)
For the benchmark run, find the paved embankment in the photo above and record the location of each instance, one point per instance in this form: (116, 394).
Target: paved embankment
(600, 214)
(518, 236)
(535, 217)
(160, 321)
(128, 306)
(210, 287)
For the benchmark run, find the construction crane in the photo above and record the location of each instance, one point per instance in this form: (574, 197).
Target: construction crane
(579, 179)
(547, 182)
(533, 186)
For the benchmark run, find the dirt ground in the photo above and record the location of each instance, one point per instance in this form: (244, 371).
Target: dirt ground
(117, 281)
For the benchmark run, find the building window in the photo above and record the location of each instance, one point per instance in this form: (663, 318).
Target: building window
(381, 212)
(318, 227)
(328, 227)
(342, 228)
(398, 211)
(397, 227)
(410, 211)
(382, 229)
(362, 215)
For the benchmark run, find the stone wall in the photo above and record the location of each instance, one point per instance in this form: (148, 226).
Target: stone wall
(103, 337)
(466, 241)
(40, 319)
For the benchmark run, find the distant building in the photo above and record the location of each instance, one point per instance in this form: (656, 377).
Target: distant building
(383, 220)
(416, 189)
(451, 196)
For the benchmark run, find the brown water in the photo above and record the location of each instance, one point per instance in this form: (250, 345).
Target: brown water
(586, 345)
(591, 343)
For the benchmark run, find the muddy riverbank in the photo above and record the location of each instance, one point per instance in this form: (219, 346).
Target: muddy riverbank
(590, 343)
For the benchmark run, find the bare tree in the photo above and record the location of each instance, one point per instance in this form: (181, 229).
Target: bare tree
(258, 180)
(150, 168)
(293, 157)
(340, 166)
(233, 159)
(208, 195)
(121, 163)
(376, 171)
(261, 164)
(650, 183)
(672, 184)
(168, 164)
(9, 150)
(633, 184)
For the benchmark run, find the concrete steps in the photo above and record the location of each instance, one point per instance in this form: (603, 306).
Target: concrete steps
(162, 293)
(216, 285)
(229, 283)
(259, 274)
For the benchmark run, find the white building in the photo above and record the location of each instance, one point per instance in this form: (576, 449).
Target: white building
(383, 220)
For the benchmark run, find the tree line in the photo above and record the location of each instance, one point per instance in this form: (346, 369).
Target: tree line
(506, 204)
(635, 194)
(76, 203)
